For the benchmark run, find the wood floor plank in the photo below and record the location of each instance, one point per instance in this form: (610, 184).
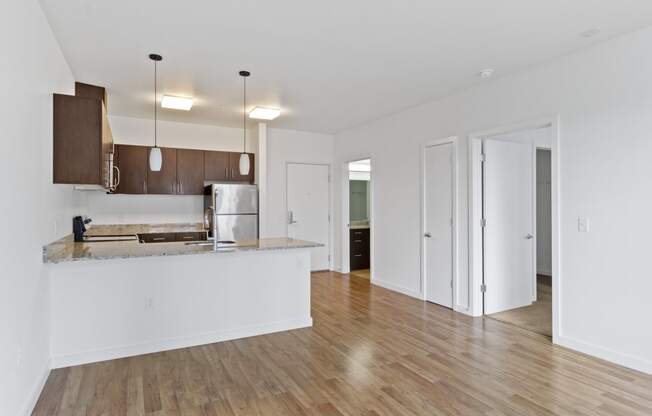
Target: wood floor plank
(370, 352)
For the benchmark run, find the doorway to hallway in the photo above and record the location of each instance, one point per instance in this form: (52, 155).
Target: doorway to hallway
(359, 177)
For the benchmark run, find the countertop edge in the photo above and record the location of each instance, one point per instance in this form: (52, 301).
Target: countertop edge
(225, 250)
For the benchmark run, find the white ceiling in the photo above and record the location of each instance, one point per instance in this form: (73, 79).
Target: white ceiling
(330, 65)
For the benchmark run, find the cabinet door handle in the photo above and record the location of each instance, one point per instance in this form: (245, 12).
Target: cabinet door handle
(357, 241)
(357, 255)
(226, 173)
(158, 238)
(188, 237)
(144, 187)
(180, 187)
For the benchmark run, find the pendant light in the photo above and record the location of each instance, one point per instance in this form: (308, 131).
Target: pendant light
(244, 157)
(155, 157)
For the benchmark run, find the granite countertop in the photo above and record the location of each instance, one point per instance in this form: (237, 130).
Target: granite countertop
(67, 250)
(359, 225)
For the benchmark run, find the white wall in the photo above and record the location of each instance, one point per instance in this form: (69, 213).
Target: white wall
(137, 209)
(290, 146)
(603, 97)
(33, 210)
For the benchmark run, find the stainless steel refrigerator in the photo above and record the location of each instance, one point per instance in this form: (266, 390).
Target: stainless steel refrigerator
(231, 212)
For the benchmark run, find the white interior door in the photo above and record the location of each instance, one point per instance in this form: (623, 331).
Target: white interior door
(309, 208)
(508, 232)
(438, 237)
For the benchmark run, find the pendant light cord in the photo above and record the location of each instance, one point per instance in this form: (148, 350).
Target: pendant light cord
(155, 109)
(244, 117)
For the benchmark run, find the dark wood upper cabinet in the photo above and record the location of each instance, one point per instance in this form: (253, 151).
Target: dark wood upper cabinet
(216, 165)
(91, 91)
(165, 180)
(190, 172)
(133, 164)
(82, 139)
(183, 172)
(234, 168)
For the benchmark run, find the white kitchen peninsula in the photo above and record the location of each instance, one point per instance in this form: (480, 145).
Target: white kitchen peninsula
(118, 299)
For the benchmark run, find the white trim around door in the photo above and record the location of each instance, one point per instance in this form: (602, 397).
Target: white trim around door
(345, 217)
(475, 215)
(458, 287)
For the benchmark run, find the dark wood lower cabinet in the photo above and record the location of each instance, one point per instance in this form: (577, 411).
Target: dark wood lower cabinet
(133, 164)
(165, 180)
(359, 245)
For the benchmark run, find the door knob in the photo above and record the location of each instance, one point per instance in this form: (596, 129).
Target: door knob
(529, 237)
(427, 235)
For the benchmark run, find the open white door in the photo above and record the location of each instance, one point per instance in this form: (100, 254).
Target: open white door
(308, 209)
(508, 231)
(438, 226)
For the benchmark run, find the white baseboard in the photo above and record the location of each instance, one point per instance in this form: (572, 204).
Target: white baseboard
(85, 357)
(626, 360)
(463, 309)
(397, 288)
(28, 408)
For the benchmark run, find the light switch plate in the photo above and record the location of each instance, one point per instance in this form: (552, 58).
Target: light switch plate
(583, 225)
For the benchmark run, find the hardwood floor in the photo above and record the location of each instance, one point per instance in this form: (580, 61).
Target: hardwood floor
(370, 352)
(362, 273)
(536, 317)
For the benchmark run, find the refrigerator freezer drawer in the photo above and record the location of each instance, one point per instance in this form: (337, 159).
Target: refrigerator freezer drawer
(237, 227)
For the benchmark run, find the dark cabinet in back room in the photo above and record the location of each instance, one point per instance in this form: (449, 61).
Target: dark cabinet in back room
(359, 248)
(133, 164)
(190, 172)
(164, 181)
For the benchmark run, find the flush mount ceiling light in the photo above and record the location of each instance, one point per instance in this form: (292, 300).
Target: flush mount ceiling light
(486, 73)
(176, 103)
(155, 156)
(264, 113)
(244, 157)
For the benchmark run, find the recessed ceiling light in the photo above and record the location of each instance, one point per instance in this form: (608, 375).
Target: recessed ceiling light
(176, 103)
(264, 113)
(590, 33)
(486, 73)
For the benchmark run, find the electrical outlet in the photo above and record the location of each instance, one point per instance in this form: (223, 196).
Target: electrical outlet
(583, 225)
(149, 303)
